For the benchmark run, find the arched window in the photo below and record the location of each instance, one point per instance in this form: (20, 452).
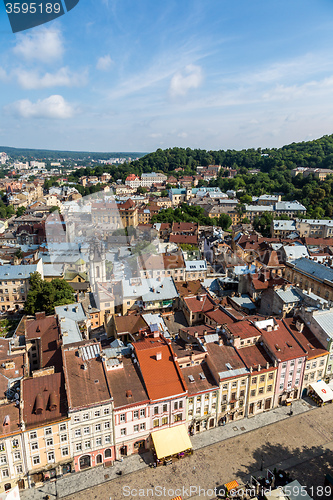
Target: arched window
(99, 459)
(107, 453)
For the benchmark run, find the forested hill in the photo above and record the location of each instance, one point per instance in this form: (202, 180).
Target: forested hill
(317, 153)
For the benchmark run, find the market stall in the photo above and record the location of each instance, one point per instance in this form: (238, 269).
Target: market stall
(321, 393)
(173, 442)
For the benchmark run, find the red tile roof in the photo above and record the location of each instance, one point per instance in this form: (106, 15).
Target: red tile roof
(219, 317)
(244, 329)
(188, 239)
(46, 328)
(85, 387)
(41, 392)
(9, 420)
(255, 356)
(223, 356)
(162, 377)
(126, 385)
(306, 338)
(202, 304)
(281, 343)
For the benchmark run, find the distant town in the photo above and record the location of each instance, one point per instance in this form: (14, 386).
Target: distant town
(145, 299)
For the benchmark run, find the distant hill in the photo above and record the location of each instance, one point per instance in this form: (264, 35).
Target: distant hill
(42, 154)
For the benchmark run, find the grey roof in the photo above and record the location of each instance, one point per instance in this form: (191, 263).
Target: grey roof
(195, 265)
(244, 301)
(295, 206)
(69, 317)
(150, 289)
(325, 321)
(213, 337)
(156, 319)
(295, 252)
(285, 225)
(288, 296)
(314, 269)
(20, 272)
(258, 208)
(233, 373)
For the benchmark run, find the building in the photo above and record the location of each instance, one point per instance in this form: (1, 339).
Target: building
(90, 405)
(195, 270)
(14, 284)
(132, 419)
(147, 180)
(289, 356)
(283, 228)
(194, 308)
(148, 294)
(161, 265)
(311, 276)
(128, 212)
(317, 355)
(45, 426)
(314, 227)
(163, 381)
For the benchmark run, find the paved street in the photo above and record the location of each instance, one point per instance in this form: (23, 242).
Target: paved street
(302, 444)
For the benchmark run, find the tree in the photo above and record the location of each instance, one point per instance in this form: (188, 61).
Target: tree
(224, 221)
(164, 193)
(142, 190)
(54, 209)
(20, 211)
(46, 295)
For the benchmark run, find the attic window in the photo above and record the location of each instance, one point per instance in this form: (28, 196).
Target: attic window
(96, 381)
(39, 407)
(277, 347)
(202, 376)
(6, 420)
(191, 378)
(53, 401)
(289, 345)
(129, 394)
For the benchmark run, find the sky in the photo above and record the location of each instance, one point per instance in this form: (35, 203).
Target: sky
(137, 75)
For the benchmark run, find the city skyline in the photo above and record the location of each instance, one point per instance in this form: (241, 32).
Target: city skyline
(113, 76)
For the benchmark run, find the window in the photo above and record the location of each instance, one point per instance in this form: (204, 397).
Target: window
(86, 430)
(106, 425)
(107, 439)
(85, 416)
(3, 459)
(97, 427)
(270, 376)
(262, 378)
(269, 388)
(178, 417)
(281, 387)
(156, 410)
(292, 362)
(190, 401)
(49, 442)
(314, 364)
(253, 393)
(77, 432)
(106, 411)
(62, 427)
(165, 408)
(97, 413)
(19, 469)
(164, 420)
(156, 422)
(64, 451)
(17, 456)
(33, 435)
(48, 431)
(136, 428)
(254, 380)
(36, 460)
(234, 385)
(136, 414)
(87, 445)
(261, 390)
(63, 438)
(284, 366)
(322, 362)
(2, 447)
(123, 432)
(123, 417)
(224, 387)
(34, 445)
(306, 377)
(142, 426)
(99, 441)
(307, 367)
(76, 418)
(199, 399)
(78, 447)
(142, 412)
(50, 457)
(5, 473)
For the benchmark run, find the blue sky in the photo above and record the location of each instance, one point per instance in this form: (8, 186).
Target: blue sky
(136, 75)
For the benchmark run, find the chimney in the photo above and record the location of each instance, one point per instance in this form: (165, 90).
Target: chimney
(158, 356)
(299, 325)
(220, 341)
(259, 368)
(175, 357)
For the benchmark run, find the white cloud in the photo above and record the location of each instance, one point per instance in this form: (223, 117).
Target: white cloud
(190, 78)
(62, 78)
(104, 63)
(3, 75)
(54, 106)
(45, 45)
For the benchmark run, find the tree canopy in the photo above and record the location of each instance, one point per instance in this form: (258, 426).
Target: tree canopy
(45, 295)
